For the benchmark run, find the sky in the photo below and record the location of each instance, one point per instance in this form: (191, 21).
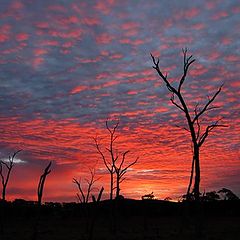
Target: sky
(67, 66)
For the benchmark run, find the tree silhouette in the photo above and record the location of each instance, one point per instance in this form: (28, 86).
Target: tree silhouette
(83, 196)
(116, 166)
(109, 164)
(228, 194)
(195, 128)
(120, 171)
(8, 169)
(42, 181)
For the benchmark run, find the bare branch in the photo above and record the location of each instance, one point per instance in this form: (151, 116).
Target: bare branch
(123, 158)
(174, 103)
(164, 78)
(78, 183)
(123, 179)
(207, 105)
(114, 128)
(208, 129)
(79, 198)
(187, 61)
(129, 165)
(106, 163)
(184, 128)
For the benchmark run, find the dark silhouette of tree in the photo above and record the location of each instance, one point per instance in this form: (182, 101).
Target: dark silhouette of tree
(120, 171)
(42, 181)
(83, 196)
(5, 174)
(211, 196)
(228, 194)
(109, 164)
(116, 166)
(195, 128)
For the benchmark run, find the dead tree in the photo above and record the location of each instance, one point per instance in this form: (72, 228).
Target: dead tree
(83, 196)
(42, 182)
(109, 164)
(120, 171)
(115, 166)
(195, 128)
(8, 169)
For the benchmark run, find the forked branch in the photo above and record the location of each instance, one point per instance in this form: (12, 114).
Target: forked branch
(208, 129)
(207, 106)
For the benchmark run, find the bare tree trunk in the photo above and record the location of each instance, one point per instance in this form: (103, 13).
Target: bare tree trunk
(4, 193)
(117, 186)
(41, 183)
(190, 180)
(197, 174)
(111, 186)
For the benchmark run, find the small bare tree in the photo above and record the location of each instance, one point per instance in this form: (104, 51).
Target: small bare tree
(83, 196)
(120, 171)
(8, 169)
(109, 164)
(115, 166)
(42, 182)
(198, 134)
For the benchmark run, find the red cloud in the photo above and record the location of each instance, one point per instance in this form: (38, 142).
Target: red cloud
(5, 32)
(39, 52)
(91, 21)
(104, 7)
(232, 58)
(116, 56)
(219, 15)
(36, 62)
(3, 37)
(129, 25)
(78, 89)
(49, 43)
(22, 37)
(226, 41)
(190, 13)
(104, 38)
(42, 25)
(132, 42)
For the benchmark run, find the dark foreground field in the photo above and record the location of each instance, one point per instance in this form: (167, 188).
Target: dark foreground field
(123, 219)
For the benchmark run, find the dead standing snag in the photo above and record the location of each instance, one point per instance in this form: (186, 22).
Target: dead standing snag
(5, 177)
(198, 136)
(42, 181)
(116, 165)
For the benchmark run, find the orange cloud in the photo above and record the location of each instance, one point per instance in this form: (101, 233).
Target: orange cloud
(78, 89)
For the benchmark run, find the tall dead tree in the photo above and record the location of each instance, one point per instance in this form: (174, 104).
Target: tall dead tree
(5, 171)
(109, 164)
(198, 132)
(112, 161)
(42, 182)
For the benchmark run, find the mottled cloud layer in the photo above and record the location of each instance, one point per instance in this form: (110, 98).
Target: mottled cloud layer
(67, 66)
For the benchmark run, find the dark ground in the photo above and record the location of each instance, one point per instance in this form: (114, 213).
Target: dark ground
(123, 219)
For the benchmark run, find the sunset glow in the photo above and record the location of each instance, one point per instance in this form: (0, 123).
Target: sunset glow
(68, 66)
